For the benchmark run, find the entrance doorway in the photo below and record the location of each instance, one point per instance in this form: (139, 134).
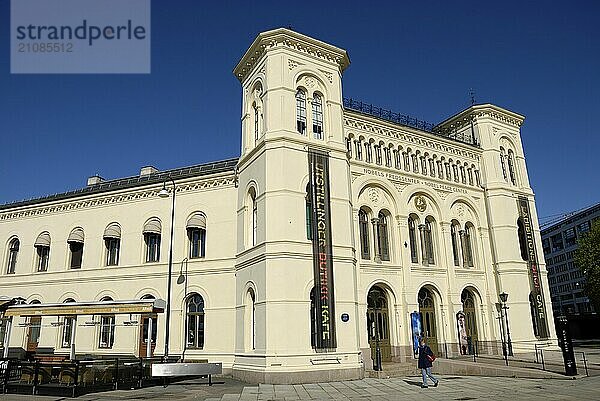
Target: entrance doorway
(378, 323)
(428, 318)
(144, 325)
(468, 303)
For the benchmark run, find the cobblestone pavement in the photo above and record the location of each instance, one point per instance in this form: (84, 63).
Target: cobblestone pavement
(459, 388)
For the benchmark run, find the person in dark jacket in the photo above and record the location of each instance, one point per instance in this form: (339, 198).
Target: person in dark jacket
(425, 363)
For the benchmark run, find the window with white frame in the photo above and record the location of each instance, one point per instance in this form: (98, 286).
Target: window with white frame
(13, 253)
(317, 116)
(301, 111)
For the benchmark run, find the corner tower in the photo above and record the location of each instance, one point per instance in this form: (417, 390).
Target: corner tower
(292, 107)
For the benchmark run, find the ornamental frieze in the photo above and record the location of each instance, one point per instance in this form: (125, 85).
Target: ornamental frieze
(113, 199)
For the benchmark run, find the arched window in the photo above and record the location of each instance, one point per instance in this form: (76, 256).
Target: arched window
(42, 247)
(309, 216)
(358, 146)
(415, 163)
(397, 161)
(388, 157)
(511, 167)
(363, 226)
(377, 154)
(477, 178)
(251, 313)
(382, 237)
(13, 253)
(256, 121)
(467, 241)
(196, 231)
(317, 116)
(412, 235)
(75, 242)
(349, 147)
(470, 172)
(448, 176)
(455, 172)
(406, 161)
(107, 328)
(195, 322)
(522, 239)
(454, 229)
(463, 176)
(301, 111)
(503, 163)
(427, 241)
(112, 243)
(431, 168)
(423, 165)
(67, 331)
(152, 233)
(254, 217)
(440, 169)
(368, 152)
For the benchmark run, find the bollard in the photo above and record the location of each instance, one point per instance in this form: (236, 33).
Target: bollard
(585, 364)
(542, 355)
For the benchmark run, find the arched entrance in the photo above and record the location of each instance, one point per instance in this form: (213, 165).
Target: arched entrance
(428, 319)
(468, 303)
(378, 322)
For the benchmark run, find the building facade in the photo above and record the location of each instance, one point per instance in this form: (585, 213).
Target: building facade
(336, 224)
(566, 280)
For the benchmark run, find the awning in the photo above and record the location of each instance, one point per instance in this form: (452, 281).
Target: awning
(152, 226)
(88, 308)
(112, 231)
(43, 239)
(198, 220)
(76, 235)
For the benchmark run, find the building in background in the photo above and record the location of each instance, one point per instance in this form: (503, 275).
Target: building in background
(342, 227)
(559, 241)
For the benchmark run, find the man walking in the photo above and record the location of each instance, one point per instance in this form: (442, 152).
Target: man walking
(426, 357)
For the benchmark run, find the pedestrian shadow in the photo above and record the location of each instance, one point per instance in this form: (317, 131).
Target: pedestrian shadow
(413, 383)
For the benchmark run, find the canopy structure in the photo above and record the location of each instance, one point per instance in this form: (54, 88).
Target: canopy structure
(143, 306)
(88, 308)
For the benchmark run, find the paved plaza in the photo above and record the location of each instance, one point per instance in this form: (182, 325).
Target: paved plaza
(460, 388)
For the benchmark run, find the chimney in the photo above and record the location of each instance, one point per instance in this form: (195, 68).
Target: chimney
(147, 170)
(95, 179)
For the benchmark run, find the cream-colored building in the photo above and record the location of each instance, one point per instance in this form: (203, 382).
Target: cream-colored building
(435, 219)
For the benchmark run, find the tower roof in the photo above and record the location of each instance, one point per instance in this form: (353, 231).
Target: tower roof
(283, 37)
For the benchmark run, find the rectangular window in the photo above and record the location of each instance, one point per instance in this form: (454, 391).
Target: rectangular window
(112, 251)
(107, 331)
(546, 245)
(557, 242)
(67, 332)
(584, 227)
(43, 254)
(301, 112)
(197, 238)
(152, 247)
(570, 237)
(76, 249)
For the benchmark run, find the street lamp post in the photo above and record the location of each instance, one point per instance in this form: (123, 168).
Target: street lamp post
(501, 322)
(182, 279)
(165, 194)
(504, 298)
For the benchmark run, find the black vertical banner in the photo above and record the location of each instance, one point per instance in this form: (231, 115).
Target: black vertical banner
(318, 169)
(537, 296)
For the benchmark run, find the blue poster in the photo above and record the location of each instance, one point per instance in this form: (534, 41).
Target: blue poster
(415, 325)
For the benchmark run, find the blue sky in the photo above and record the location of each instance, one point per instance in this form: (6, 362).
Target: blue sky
(418, 58)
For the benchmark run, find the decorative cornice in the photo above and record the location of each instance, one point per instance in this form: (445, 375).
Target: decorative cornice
(282, 37)
(114, 198)
(482, 110)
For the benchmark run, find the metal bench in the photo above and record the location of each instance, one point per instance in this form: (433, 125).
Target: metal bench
(187, 369)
